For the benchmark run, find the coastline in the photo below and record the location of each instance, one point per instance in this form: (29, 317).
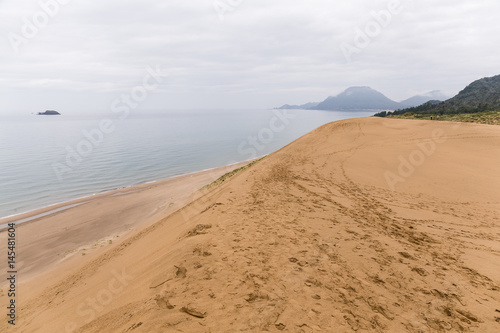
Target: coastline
(76, 230)
(53, 208)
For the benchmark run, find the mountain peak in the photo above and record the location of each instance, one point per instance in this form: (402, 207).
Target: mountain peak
(358, 98)
(353, 90)
(358, 88)
(367, 98)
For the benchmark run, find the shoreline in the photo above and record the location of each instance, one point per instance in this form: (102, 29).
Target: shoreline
(74, 231)
(34, 214)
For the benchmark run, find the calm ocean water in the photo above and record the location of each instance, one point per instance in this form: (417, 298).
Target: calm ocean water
(50, 159)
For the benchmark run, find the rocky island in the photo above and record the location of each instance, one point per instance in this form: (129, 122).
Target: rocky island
(49, 113)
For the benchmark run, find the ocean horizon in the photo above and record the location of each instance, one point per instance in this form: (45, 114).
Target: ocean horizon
(47, 160)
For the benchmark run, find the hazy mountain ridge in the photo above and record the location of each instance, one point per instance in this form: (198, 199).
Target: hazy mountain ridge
(307, 106)
(421, 99)
(365, 98)
(480, 95)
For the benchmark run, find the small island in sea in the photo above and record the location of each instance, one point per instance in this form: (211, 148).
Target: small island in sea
(49, 113)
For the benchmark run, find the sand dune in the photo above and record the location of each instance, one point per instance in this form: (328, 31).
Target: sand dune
(56, 234)
(367, 225)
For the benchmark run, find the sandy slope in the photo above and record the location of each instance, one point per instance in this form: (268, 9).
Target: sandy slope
(368, 225)
(97, 221)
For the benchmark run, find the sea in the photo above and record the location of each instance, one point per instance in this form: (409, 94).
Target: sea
(45, 160)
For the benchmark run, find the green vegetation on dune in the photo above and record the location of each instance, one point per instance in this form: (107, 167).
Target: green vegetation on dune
(223, 178)
(487, 117)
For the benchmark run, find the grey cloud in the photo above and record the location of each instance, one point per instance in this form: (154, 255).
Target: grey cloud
(262, 54)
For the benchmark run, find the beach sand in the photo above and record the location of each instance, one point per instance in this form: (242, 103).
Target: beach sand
(80, 227)
(363, 225)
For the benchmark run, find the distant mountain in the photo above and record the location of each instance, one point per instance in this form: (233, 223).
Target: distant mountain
(416, 109)
(480, 95)
(434, 95)
(358, 98)
(366, 98)
(307, 106)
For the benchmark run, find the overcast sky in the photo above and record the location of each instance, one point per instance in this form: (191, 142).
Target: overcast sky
(75, 55)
